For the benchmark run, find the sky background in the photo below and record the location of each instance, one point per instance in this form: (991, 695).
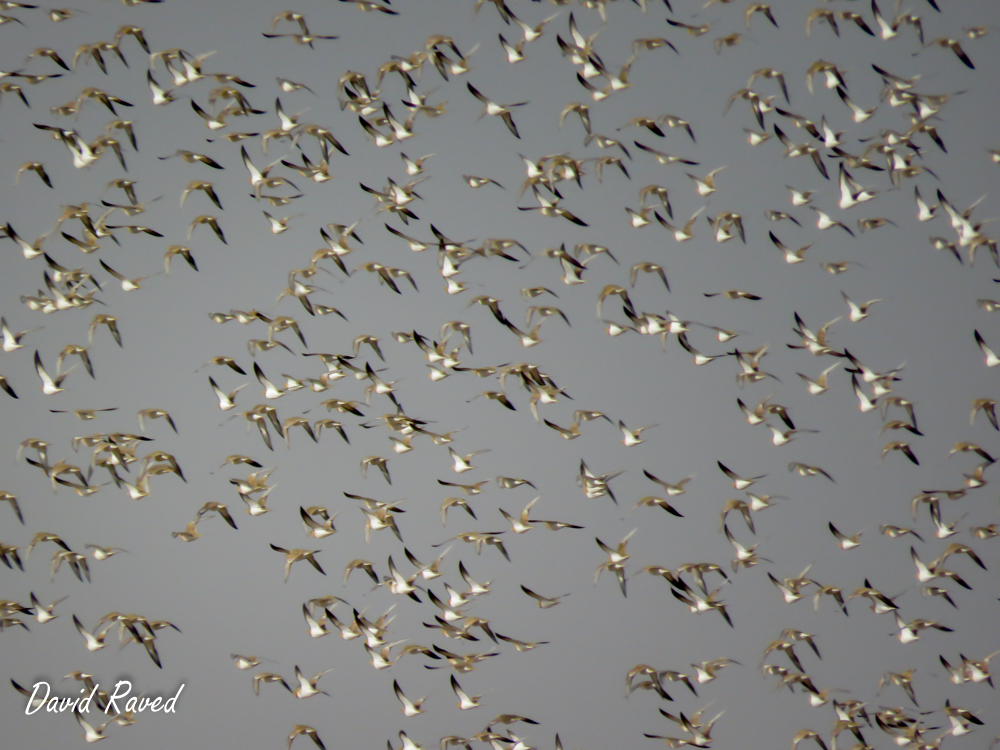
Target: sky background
(225, 591)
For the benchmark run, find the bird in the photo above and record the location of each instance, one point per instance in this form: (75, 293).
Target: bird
(910, 632)
(103, 553)
(317, 529)
(616, 558)
(991, 359)
(44, 613)
(360, 565)
(681, 234)
(521, 524)
(294, 555)
(478, 182)
(544, 602)
(398, 584)
(819, 385)
(11, 340)
(823, 221)
(465, 701)
(155, 414)
(266, 677)
(414, 166)
(739, 483)
(706, 185)
(36, 167)
(409, 708)
(846, 542)
(90, 733)
(226, 400)
(781, 437)
(379, 462)
(50, 386)
(461, 463)
(305, 731)
(805, 470)
(734, 294)
(902, 447)
(214, 507)
(988, 407)
(761, 8)
(94, 640)
(631, 437)
(791, 256)
(308, 687)
(551, 208)
(501, 110)
(706, 671)
(189, 534)
(211, 222)
(858, 312)
(955, 46)
(689, 29)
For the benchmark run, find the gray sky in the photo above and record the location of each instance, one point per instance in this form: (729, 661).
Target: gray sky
(225, 590)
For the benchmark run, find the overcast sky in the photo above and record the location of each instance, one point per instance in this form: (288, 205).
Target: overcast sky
(226, 592)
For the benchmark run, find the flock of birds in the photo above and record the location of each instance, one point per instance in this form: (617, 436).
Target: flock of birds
(287, 385)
